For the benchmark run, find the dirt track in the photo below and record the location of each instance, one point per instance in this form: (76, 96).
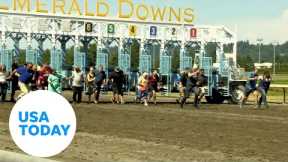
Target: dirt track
(167, 133)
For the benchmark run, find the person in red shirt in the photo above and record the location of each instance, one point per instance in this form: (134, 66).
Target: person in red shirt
(153, 85)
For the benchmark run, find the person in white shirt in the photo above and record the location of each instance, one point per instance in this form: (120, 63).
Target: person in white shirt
(77, 84)
(3, 82)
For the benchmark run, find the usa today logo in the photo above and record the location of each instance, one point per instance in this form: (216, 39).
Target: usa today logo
(42, 124)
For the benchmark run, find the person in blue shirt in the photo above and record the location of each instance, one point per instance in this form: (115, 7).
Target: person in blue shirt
(251, 86)
(25, 75)
(263, 87)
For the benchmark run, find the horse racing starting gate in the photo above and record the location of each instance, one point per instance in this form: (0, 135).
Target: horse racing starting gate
(60, 30)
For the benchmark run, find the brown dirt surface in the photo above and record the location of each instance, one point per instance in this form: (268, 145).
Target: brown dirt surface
(167, 133)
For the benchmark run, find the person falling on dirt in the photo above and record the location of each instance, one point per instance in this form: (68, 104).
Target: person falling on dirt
(250, 87)
(25, 75)
(202, 81)
(153, 85)
(191, 87)
(182, 84)
(90, 82)
(100, 79)
(142, 93)
(263, 87)
(117, 77)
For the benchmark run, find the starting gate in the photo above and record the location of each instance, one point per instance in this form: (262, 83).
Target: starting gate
(6, 57)
(57, 59)
(79, 59)
(165, 71)
(185, 61)
(145, 62)
(206, 64)
(124, 61)
(102, 59)
(33, 56)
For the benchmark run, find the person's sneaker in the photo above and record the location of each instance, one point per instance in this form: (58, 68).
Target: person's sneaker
(146, 104)
(177, 101)
(181, 104)
(257, 107)
(96, 102)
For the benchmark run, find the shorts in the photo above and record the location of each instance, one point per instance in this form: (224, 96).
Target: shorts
(153, 87)
(90, 89)
(117, 89)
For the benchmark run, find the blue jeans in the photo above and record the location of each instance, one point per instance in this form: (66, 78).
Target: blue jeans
(263, 96)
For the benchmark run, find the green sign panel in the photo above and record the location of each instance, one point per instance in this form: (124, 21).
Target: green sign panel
(111, 28)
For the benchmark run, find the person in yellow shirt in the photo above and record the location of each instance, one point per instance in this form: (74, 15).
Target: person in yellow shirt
(143, 88)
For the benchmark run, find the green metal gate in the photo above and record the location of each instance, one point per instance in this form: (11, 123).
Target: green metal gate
(102, 59)
(56, 60)
(79, 59)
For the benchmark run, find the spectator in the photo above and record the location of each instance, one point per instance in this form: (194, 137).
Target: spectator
(90, 82)
(3, 82)
(77, 84)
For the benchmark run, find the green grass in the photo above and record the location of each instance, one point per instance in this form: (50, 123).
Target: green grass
(280, 79)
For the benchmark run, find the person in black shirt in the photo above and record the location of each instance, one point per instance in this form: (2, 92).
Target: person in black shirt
(14, 81)
(263, 88)
(191, 86)
(182, 84)
(100, 78)
(117, 77)
(202, 81)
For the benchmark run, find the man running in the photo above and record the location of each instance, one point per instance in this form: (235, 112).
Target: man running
(191, 86)
(202, 81)
(100, 78)
(117, 77)
(153, 85)
(250, 87)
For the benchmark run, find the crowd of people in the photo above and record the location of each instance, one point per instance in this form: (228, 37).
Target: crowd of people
(31, 77)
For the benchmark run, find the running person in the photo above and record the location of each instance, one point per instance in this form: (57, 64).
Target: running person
(191, 87)
(117, 77)
(202, 81)
(142, 94)
(100, 79)
(182, 84)
(153, 85)
(251, 86)
(263, 87)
